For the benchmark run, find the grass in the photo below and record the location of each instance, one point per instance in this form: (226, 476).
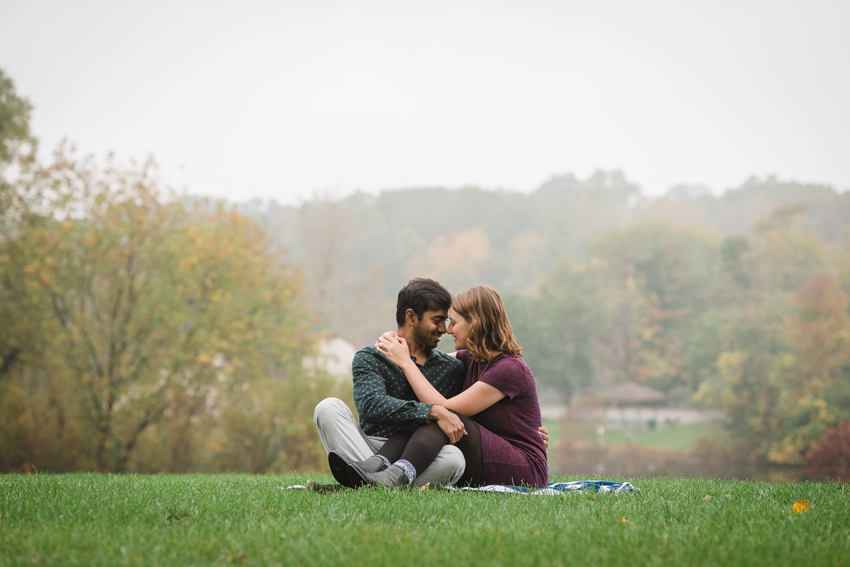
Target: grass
(681, 437)
(237, 519)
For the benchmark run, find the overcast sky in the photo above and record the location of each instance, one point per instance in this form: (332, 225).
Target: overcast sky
(284, 99)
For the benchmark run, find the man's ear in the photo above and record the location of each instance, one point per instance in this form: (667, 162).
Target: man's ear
(410, 317)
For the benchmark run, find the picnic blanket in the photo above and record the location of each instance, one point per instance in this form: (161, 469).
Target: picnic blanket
(579, 486)
(602, 486)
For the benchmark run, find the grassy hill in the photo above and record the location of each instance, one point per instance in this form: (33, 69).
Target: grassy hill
(236, 519)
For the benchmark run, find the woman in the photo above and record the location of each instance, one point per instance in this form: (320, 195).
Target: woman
(502, 444)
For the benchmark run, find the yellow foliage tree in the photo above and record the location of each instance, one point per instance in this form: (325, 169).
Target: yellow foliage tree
(151, 308)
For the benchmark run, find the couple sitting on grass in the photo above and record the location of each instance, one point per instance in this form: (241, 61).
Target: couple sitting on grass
(470, 418)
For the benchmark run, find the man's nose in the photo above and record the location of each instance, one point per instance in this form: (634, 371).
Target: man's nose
(442, 327)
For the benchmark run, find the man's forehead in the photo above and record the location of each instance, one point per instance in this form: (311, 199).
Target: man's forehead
(431, 313)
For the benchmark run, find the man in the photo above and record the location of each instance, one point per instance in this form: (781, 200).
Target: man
(385, 400)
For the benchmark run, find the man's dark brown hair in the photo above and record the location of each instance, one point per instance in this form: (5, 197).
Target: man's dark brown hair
(421, 295)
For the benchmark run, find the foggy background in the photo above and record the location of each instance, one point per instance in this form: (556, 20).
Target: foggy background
(281, 99)
(658, 190)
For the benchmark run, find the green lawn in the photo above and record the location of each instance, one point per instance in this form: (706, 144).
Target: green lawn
(86, 519)
(679, 437)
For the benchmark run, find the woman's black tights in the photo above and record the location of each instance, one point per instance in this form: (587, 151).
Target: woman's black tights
(420, 444)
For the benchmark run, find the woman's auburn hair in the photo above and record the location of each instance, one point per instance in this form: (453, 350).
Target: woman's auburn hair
(490, 332)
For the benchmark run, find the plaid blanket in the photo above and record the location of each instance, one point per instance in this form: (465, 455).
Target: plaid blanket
(559, 487)
(579, 486)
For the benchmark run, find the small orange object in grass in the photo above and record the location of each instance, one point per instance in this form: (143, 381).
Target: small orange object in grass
(800, 506)
(624, 520)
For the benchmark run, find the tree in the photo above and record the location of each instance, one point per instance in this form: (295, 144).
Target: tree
(779, 337)
(831, 456)
(558, 328)
(454, 259)
(748, 344)
(341, 291)
(15, 137)
(660, 280)
(156, 308)
(15, 133)
(814, 374)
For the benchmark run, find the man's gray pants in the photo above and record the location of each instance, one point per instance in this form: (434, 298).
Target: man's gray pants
(340, 432)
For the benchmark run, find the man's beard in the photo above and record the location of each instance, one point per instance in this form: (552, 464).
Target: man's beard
(426, 339)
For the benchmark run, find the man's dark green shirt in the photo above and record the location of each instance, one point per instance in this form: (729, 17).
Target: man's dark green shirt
(384, 398)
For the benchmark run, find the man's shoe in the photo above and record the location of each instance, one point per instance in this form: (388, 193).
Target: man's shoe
(392, 477)
(373, 464)
(339, 468)
(343, 472)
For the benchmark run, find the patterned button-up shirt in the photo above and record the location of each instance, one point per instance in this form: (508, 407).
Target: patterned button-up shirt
(384, 398)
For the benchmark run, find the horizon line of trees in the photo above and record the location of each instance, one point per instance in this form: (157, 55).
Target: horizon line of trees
(141, 330)
(706, 298)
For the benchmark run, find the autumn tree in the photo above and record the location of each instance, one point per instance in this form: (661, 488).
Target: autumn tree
(15, 136)
(659, 282)
(16, 145)
(558, 328)
(153, 308)
(776, 336)
(830, 457)
(814, 377)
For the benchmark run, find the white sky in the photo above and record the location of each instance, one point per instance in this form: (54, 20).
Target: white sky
(283, 99)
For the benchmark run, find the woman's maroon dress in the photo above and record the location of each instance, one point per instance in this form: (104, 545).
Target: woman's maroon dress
(510, 442)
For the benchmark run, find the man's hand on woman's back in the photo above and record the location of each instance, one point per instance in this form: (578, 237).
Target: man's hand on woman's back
(544, 433)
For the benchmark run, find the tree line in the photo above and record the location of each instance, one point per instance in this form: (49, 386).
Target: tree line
(735, 302)
(144, 330)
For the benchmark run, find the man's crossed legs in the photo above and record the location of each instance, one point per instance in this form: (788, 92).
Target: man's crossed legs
(340, 432)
